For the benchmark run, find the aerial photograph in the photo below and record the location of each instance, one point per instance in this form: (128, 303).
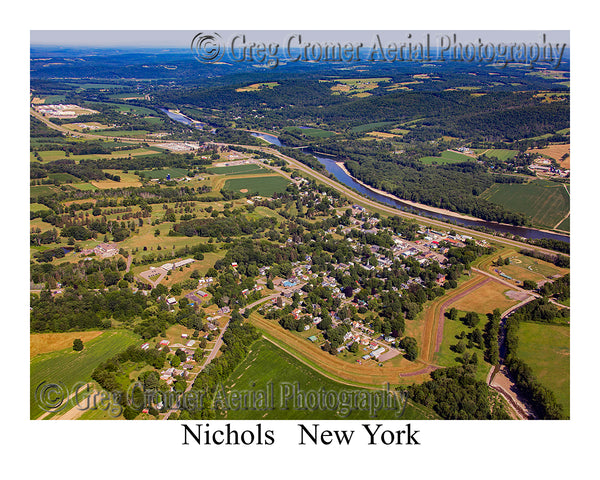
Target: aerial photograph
(299, 225)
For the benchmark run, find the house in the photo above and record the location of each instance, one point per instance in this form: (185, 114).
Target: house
(376, 353)
(145, 346)
(312, 338)
(171, 301)
(164, 343)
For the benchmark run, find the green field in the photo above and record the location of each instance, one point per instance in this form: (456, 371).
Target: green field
(544, 202)
(501, 154)
(310, 132)
(546, 349)
(174, 172)
(565, 224)
(121, 107)
(36, 207)
(52, 155)
(69, 367)
(237, 169)
(63, 177)
(265, 186)
(84, 186)
(122, 133)
(446, 157)
(42, 190)
(449, 358)
(268, 363)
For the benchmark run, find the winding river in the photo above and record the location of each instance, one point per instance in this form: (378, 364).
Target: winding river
(333, 166)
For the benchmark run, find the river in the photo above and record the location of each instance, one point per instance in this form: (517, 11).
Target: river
(181, 118)
(332, 166)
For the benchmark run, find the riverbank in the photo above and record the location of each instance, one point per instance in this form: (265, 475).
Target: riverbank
(422, 206)
(439, 211)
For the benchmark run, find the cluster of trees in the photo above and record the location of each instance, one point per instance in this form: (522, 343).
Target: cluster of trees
(454, 394)
(492, 351)
(454, 187)
(83, 309)
(227, 226)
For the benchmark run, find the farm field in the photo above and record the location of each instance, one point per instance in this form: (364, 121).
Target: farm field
(42, 190)
(131, 108)
(546, 349)
(70, 367)
(565, 224)
(162, 173)
(36, 207)
(268, 363)
(357, 87)
(84, 186)
(544, 202)
(265, 186)
(257, 86)
(369, 127)
(237, 169)
(122, 133)
(52, 155)
(556, 152)
(310, 132)
(500, 153)
(50, 342)
(446, 157)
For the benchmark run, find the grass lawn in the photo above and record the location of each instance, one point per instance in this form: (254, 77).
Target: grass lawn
(70, 367)
(544, 202)
(264, 186)
(267, 363)
(485, 299)
(546, 349)
(446, 157)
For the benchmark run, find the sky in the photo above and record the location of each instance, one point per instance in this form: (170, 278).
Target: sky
(182, 38)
